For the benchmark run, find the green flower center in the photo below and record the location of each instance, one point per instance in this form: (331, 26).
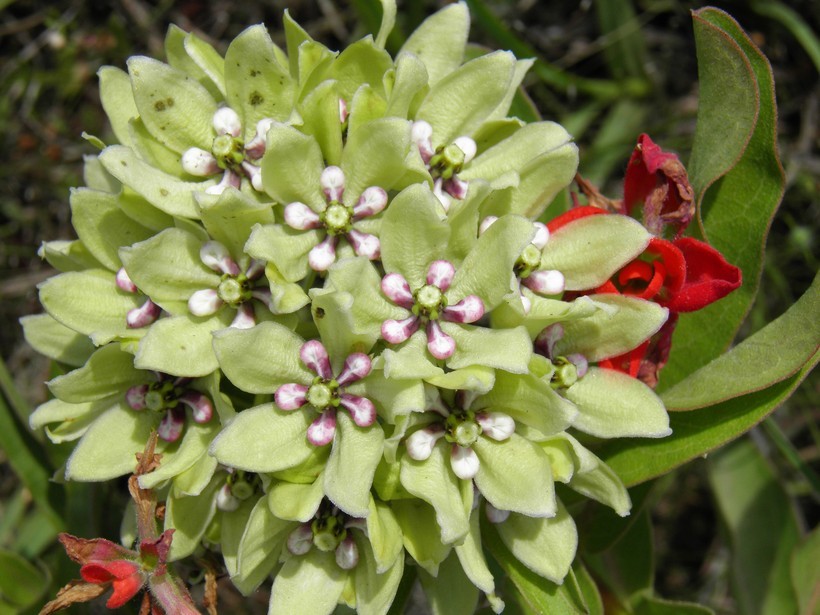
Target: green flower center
(320, 396)
(161, 396)
(429, 301)
(447, 161)
(462, 428)
(337, 218)
(234, 290)
(566, 374)
(328, 532)
(243, 484)
(528, 262)
(229, 151)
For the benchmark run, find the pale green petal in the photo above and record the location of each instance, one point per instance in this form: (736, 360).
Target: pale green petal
(545, 546)
(451, 592)
(189, 517)
(181, 345)
(117, 100)
(232, 526)
(59, 411)
(409, 84)
(90, 303)
(180, 58)
(311, 584)
(507, 349)
(590, 250)
(152, 152)
(109, 447)
(320, 116)
(361, 63)
(543, 312)
(286, 297)
(258, 86)
(515, 475)
(194, 480)
(53, 339)
(168, 266)
(176, 109)
(261, 359)
(264, 439)
(137, 208)
(476, 378)
(374, 156)
(295, 502)
(208, 60)
(284, 247)
(416, 519)
(375, 589)
(393, 397)
(230, 217)
(65, 255)
(611, 332)
(615, 405)
(109, 371)
(433, 481)
(413, 234)
(292, 166)
(411, 359)
(384, 534)
(259, 547)
(96, 177)
(452, 107)
(183, 454)
(163, 191)
(353, 459)
(471, 557)
(440, 41)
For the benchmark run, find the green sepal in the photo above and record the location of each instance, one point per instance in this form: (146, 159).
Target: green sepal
(453, 109)
(384, 534)
(545, 546)
(320, 120)
(168, 266)
(374, 156)
(56, 341)
(471, 557)
(433, 481)
(504, 349)
(352, 463)
(90, 303)
(440, 40)
(165, 192)
(261, 359)
(189, 517)
(621, 324)
(295, 501)
(506, 466)
(73, 419)
(413, 234)
(292, 166)
(264, 439)
(451, 592)
(311, 583)
(409, 85)
(259, 547)
(476, 378)
(181, 345)
(612, 404)
(102, 226)
(65, 255)
(588, 251)
(543, 312)
(180, 58)
(410, 360)
(257, 85)
(117, 100)
(229, 217)
(375, 588)
(284, 247)
(530, 400)
(109, 371)
(107, 450)
(361, 63)
(209, 62)
(96, 177)
(416, 518)
(176, 108)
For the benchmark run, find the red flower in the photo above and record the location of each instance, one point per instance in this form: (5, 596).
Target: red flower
(126, 577)
(658, 180)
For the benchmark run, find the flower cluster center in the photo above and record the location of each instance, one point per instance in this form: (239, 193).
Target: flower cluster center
(162, 396)
(337, 218)
(323, 394)
(234, 290)
(529, 261)
(328, 532)
(429, 301)
(229, 151)
(462, 428)
(447, 161)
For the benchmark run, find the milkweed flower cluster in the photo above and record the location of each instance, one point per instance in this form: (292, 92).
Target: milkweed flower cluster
(322, 277)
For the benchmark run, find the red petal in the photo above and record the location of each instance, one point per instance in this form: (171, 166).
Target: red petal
(124, 590)
(102, 572)
(709, 276)
(576, 213)
(629, 362)
(675, 265)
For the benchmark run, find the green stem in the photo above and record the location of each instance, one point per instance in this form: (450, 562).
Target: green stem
(598, 88)
(788, 451)
(9, 389)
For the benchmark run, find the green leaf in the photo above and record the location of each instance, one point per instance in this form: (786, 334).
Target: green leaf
(590, 250)
(771, 355)
(261, 359)
(440, 41)
(109, 371)
(163, 191)
(737, 116)
(108, 448)
(544, 545)
(21, 583)
(652, 605)
(189, 516)
(352, 463)
(625, 51)
(292, 166)
(176, 109)
(698, 432)
(612, 404)
(264, 439)
(307, 584)
(53, 339)
(762, 529)
(589, 590)
(804, 572)
(540, 595)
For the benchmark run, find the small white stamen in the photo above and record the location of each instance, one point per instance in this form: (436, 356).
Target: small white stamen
(468, 146)
(486, 223)
(464, 462)
(227, 122)
(204, 302)
(496, 425)
(199, 163)
(301, 217)
(420, 443)
(333, 183)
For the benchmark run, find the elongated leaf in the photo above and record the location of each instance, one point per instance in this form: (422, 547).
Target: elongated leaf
(737, 209)
(806, 574)
(772, 354)
(762, 529)
(20, 582)
(698, 432)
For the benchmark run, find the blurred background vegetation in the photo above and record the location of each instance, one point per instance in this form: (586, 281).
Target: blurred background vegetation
(607, 69)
